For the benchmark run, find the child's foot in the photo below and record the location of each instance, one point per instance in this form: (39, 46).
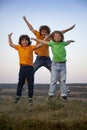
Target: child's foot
(50, 97)
(64, 98)
(17, 99)
(30, 101)
(68, 91)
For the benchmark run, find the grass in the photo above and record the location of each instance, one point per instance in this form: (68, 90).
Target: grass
(43, 115)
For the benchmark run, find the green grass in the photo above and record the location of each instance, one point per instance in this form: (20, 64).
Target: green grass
(43, 115)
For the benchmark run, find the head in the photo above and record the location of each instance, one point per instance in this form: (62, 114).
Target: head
(57, 36)
(44, 30)
(24, 40)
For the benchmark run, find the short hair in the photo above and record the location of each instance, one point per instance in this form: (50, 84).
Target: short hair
(44, 27)
(59, 32)
(24, 37)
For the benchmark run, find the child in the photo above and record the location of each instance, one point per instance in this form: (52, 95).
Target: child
(43, 58)
(58, 70)
(25, 51)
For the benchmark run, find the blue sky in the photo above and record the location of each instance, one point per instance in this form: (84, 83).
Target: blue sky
(58, 15)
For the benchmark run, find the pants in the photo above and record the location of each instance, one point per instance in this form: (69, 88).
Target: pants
(58, 71)
(42, 61)
(26, 72)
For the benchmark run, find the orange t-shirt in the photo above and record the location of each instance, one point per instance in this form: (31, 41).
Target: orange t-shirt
(44, 49)
(25, 54)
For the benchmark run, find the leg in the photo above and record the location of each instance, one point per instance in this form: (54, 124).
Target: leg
(47, 63)
(37, 64)
(63, 88)
(30, 79)
(22, 76)
(54, 78)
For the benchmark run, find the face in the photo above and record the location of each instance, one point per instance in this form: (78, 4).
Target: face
(57, 37)
(24, 42)
(43, 33)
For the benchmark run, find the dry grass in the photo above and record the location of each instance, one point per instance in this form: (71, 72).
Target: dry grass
(43, 115)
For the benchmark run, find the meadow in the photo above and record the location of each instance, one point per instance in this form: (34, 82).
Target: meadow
(45, 114)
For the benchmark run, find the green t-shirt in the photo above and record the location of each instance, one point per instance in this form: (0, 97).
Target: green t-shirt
(58, 50)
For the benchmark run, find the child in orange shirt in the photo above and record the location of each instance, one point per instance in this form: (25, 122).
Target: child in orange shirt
(25, 51)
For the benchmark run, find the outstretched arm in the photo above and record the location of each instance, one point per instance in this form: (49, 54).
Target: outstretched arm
(63, 31)
(39, 40)
(38, 45)
(68, 29)
(10, 40)
(69, 41)
(28, 24)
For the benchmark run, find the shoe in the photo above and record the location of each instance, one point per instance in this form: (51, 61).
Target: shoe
(68, 91)
(64, 98)
(17, 99)
(30, 101)
(50, 97)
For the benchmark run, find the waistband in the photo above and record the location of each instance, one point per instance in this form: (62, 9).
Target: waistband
(61, 62)
(43, 56)
(24, 65)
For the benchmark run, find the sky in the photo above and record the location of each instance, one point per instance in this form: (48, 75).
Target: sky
(58, 15)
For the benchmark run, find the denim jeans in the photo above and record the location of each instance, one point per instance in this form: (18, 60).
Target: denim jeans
(26, 72)
(58, 73)
(42, 61)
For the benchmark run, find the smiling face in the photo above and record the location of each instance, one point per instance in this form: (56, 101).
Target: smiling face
(43, 33)
(24, 42)
(57, 36)
(44, 30)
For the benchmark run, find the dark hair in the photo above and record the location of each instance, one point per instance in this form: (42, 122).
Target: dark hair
(24, 37)
(44, 27)
(59, 32)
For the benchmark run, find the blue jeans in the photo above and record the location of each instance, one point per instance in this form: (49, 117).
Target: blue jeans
(42, 61)
(58, 73)
(26, 72)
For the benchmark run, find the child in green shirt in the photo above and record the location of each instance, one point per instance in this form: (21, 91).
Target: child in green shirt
(58, 68)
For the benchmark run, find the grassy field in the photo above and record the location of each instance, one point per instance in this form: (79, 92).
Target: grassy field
(45, 114)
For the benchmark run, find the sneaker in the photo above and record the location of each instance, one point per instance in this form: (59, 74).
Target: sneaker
(68, 91)
(30, 101)
(17, 99)
(64, 98)
(50, 97)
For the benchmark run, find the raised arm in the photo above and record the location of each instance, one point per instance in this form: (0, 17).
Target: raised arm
(68, 29)
(69, 41)
(39, 40)
(10, 40)
(28, 24)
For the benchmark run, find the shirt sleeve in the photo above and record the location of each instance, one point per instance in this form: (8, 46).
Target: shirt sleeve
(17, 47)
(65, 43)
(33, 47)
(50, 43)
(36, 33)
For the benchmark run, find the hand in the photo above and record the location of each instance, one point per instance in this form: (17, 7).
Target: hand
(73, 26)
(33, 39)
(47, 36)
(24, 17)
(71, 41)
(10, 34)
